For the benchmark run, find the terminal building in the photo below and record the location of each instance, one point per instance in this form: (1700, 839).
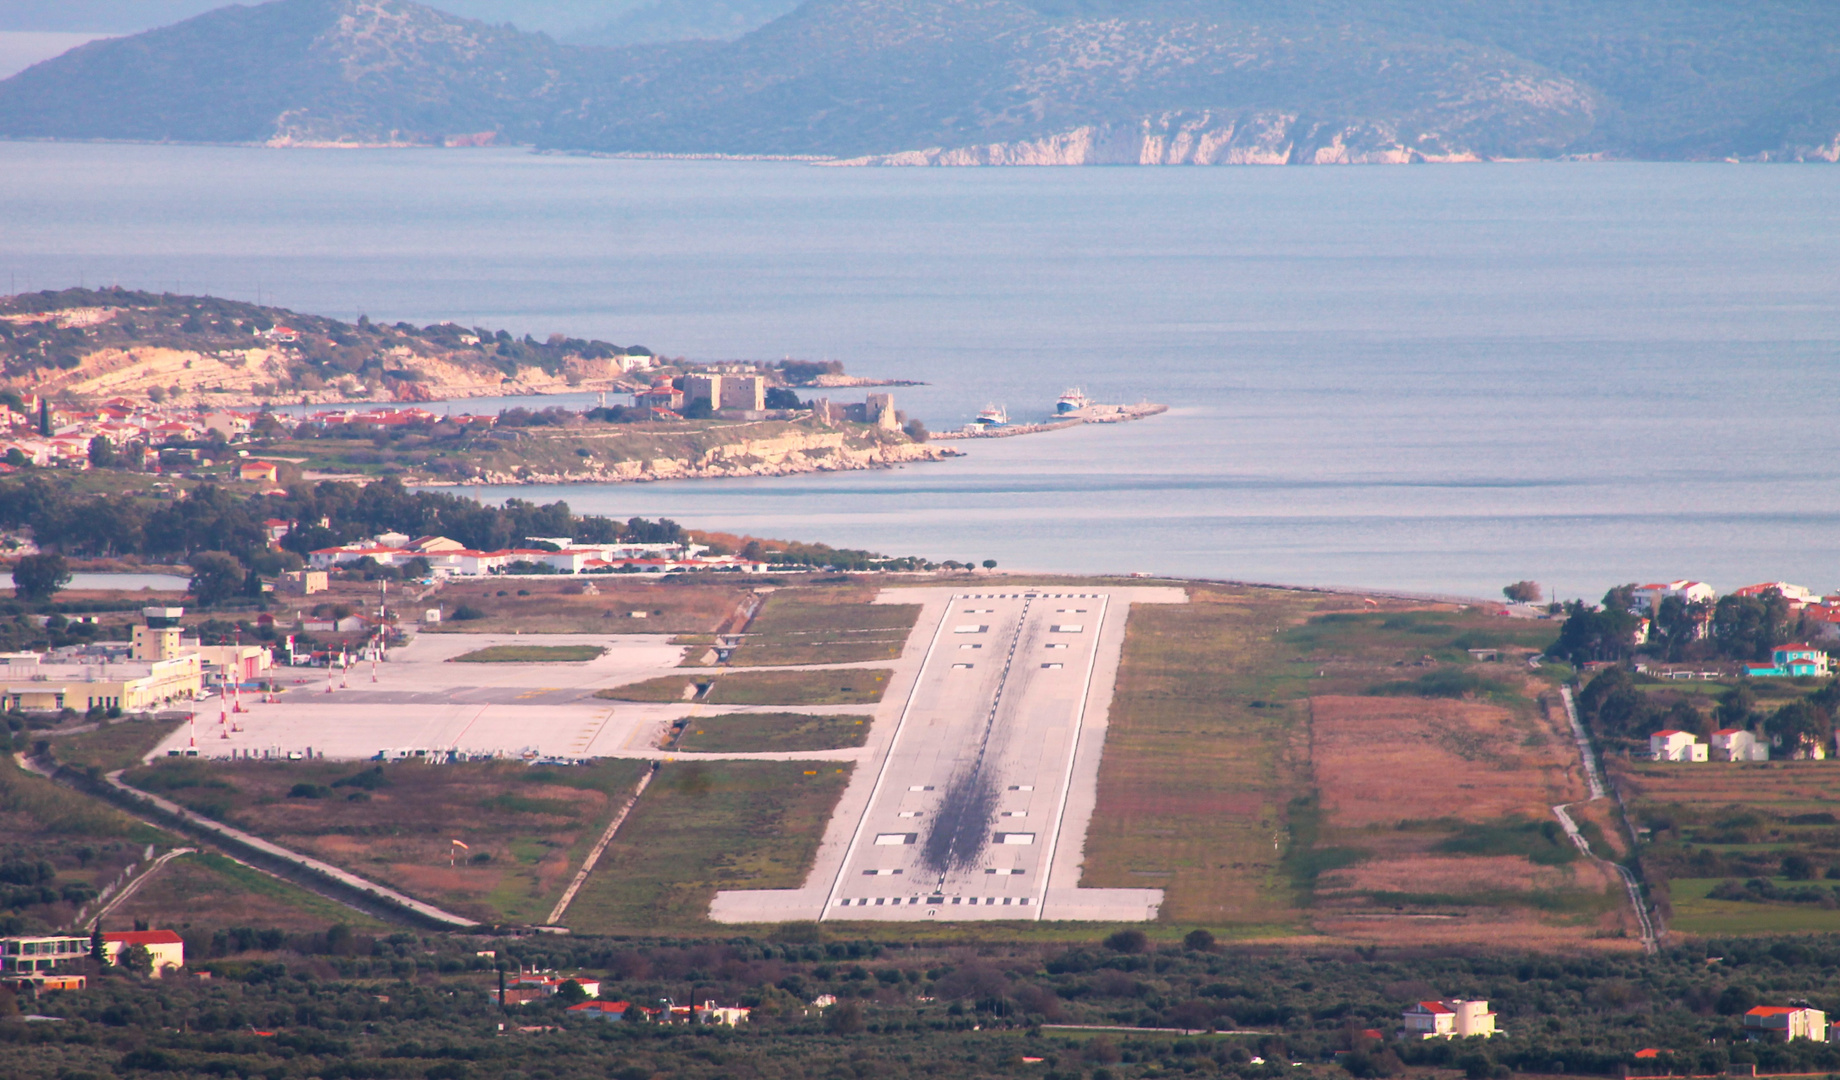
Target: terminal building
(161, 668)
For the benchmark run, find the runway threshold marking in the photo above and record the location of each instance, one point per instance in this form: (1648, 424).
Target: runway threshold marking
(881, 774)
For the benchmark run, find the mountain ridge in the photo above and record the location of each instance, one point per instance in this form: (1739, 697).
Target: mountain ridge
(989, 82)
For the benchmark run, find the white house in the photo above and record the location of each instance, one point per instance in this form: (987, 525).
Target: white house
(1671, 745)
(1784, 1024)
(165, 946)
(1457, 1018)
(1648, 597)
(1736, 744)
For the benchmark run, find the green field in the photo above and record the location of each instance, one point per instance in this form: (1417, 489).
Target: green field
(1200, 761)
(530, 654)
(824, 626)
(705, 826)
(742, 733)
(114, 746)
(851, 686)
(1695, 913)
(212, 890)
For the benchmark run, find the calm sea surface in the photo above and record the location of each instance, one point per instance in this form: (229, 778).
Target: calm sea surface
(1430, 378)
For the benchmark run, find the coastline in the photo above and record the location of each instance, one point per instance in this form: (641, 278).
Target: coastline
(794, 462)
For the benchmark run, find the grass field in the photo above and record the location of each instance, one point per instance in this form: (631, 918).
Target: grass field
(115, 746)
(705, 826)
(1206, 748)
(558, 605)
(851, 686)
(206, 889)
(1287, 763)
(825, 626)
(530, 654)
(742, 733)
(1718, 821)
(526, 829)
(1695, 913)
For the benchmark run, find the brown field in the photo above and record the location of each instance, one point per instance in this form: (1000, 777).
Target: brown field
(555, 605)
(527, 828)
(1383, 760)
(1397, 777)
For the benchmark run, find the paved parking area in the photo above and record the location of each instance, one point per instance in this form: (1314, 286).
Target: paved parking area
(420, 700)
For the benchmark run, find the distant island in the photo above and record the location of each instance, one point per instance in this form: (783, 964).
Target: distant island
(1014, 82)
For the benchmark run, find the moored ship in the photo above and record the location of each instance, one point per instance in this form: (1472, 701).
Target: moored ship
(1072, 401)
(993, 416)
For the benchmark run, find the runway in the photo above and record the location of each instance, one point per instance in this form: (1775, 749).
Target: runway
(978, 805)
(968, 809)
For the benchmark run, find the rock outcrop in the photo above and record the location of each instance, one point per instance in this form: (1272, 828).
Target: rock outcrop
(828, 451)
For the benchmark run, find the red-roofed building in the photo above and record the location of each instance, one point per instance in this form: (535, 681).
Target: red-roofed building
(166, 947)
(601, 1010)
(1785, 1024)
(1458, 1018)
(1797, 595)
(1647, 1052)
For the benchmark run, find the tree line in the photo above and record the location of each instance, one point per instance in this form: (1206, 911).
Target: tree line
(1732, 628)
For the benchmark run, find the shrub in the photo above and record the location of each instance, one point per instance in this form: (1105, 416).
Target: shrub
(1128, 941)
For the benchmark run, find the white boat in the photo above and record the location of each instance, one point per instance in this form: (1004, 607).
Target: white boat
(1072, 401)
(993, 416)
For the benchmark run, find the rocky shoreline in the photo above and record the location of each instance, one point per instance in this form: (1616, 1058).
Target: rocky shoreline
(811, 455)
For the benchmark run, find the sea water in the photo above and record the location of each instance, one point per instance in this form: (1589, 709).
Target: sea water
(1434, 378)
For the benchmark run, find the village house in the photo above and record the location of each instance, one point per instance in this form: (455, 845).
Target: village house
(535, 986)
(258, 472)
(304, 582)
(1736, 744)
(601, 1010)
(1671, 745)
(1457, 1018)
(166, 947)
(711, 1013)
(1785, 1024)
(1797, 595)
(1792, 662)
(1647, 598)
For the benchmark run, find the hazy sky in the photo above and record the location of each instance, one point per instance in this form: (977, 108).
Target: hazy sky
(132, 16)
